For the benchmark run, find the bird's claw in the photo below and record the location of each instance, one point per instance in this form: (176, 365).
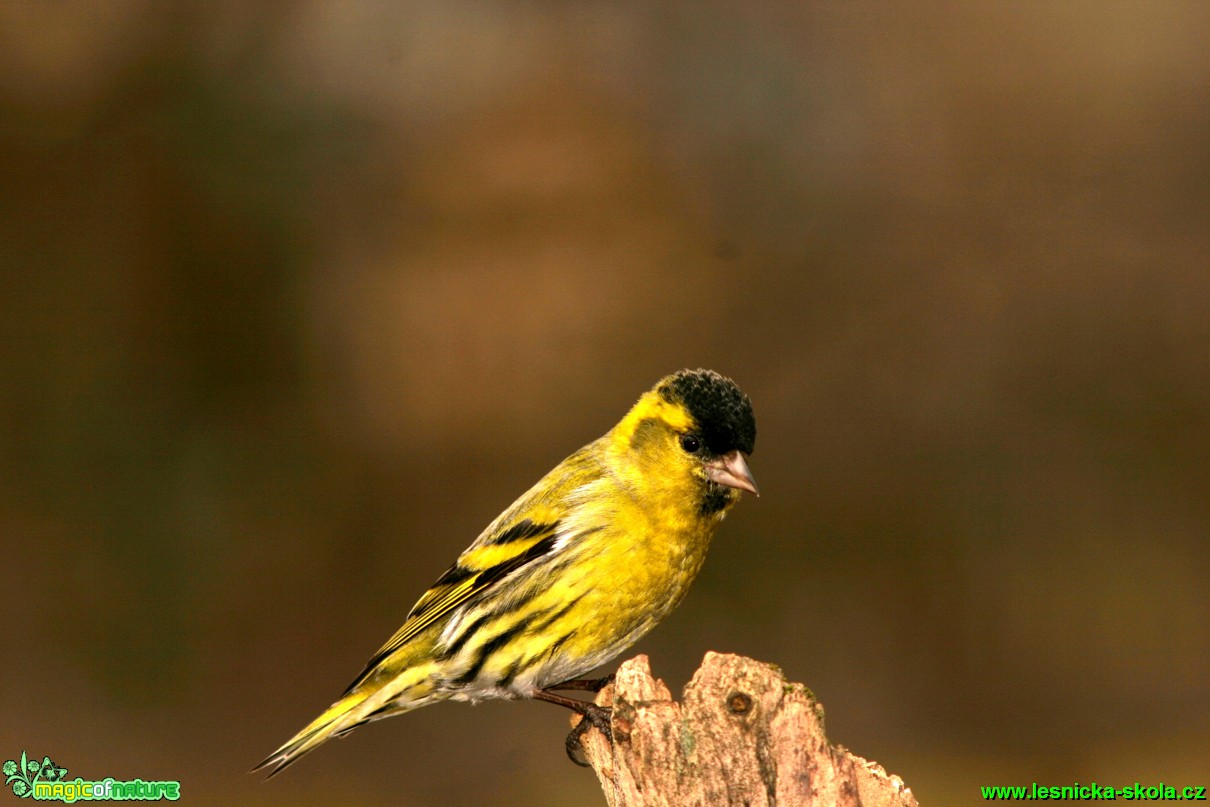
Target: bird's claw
(594, 716)
(601, 683)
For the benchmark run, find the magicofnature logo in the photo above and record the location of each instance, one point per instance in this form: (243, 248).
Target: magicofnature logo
(46, 781)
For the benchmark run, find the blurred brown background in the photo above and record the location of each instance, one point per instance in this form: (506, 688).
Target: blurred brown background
(297, 296)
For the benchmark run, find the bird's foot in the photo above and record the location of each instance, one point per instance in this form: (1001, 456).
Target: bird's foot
(593, 716)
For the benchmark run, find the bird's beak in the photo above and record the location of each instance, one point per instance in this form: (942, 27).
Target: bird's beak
(731, 470)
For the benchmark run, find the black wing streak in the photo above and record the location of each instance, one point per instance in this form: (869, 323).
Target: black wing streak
(483, 580)
(525, 528)
(489, 647)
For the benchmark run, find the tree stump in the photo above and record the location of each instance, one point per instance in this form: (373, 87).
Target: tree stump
(741, 736)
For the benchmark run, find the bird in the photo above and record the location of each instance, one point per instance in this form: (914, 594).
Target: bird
(573, 573)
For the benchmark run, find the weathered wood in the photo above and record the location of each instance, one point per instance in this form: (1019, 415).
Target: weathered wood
(741, 736)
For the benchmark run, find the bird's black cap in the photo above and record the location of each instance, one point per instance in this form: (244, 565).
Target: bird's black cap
(723, 413)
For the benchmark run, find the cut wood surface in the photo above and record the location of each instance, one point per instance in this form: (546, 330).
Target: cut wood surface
(742, 735)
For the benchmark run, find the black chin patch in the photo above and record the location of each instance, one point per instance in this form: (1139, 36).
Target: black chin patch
(715, 498)
(722, 411)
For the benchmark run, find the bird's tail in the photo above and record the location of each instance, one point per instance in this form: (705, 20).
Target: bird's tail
(370, 700)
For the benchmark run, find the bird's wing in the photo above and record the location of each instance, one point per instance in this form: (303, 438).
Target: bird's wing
(544, 520)
(497, 553)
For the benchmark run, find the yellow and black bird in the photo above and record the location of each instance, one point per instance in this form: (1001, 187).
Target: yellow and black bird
(574, 572)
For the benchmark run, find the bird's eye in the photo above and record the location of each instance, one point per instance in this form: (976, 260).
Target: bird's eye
(690, 443)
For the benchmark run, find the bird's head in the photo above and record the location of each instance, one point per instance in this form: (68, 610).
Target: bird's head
(692, 431)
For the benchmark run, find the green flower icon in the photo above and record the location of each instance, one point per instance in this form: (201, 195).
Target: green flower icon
(22, 776)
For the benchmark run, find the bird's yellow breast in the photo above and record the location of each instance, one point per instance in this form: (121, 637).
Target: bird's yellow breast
(643, 556)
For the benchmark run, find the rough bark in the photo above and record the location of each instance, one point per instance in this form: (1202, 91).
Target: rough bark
(742, 735)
